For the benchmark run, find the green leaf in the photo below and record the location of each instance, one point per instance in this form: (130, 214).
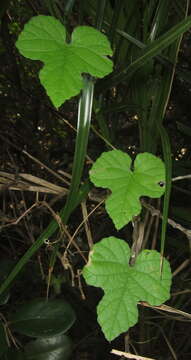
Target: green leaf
(44, 39)
(125, 285)
(57, 348)
(113, 170)
(40, 318)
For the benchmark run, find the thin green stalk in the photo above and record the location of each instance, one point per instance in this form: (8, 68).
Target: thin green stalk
(100, 14)
(101, 118)
(160, 19)
(147, 18)
(54, 10)
(83, 126)
(68, 7)
(128, 22)
(168, 163)
(114, 21)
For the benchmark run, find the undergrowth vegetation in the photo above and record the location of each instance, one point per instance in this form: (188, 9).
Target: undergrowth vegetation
(95, 179)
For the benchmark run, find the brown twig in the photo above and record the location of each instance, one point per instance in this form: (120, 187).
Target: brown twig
(181, 267)
(129, 355)
(177, 178)
(29, 183)
(81, 224)
(175, 225)
(42, 165)
(86, 224)
(166, 309)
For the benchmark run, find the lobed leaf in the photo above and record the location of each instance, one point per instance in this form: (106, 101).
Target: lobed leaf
(44, 39)
(113, 170)
(124, 285)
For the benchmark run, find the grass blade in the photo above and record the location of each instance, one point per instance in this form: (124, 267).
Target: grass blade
(148, 53)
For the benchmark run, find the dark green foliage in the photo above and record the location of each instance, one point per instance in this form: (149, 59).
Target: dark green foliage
(142, 106)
